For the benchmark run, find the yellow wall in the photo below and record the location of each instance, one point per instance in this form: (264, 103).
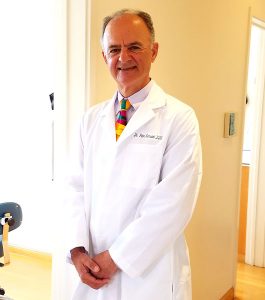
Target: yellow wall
(203, 61)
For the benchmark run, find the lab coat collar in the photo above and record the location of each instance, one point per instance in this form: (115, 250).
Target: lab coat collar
(147, 110)
(156, 97)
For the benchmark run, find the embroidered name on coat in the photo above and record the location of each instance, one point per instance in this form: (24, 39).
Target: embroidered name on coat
(147, 136)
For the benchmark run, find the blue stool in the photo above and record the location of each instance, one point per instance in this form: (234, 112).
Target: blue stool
(10, 219)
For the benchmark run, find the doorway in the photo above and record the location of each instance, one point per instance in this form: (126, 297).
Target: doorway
(252, 221)
(27, 80)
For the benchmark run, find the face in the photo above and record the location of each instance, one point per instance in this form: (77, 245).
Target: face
(129, 52)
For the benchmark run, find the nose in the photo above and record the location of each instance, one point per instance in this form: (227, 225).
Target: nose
(124, 55)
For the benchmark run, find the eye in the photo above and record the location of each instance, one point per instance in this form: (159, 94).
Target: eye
(113, 51)
(135, 48)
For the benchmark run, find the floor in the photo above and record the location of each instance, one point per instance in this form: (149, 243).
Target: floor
(29, 278)
(250, 283)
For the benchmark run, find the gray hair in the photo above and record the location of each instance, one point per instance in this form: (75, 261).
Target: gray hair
(141, 14)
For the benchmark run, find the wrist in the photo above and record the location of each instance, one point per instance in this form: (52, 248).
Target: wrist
(112, 263)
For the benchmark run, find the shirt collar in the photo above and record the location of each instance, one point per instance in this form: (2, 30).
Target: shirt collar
(139, 96)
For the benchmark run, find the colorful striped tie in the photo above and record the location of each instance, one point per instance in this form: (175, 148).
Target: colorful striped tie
(121, 121)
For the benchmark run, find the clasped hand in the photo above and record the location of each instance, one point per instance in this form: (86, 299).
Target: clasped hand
(95, 272)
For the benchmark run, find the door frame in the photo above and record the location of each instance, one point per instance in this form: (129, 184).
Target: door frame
(255, 244)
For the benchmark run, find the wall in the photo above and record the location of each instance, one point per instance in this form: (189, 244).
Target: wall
(203, 61)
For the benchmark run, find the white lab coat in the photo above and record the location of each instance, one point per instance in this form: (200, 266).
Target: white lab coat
(136, 196)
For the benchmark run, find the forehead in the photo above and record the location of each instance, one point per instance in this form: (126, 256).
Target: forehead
(126, 29)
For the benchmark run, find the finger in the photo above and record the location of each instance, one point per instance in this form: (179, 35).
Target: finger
(91, 265)
(93, 282)
(101, 275)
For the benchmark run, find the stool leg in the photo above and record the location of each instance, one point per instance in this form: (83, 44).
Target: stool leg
(5, 241)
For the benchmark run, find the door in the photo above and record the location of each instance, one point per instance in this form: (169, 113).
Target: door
(254, 141)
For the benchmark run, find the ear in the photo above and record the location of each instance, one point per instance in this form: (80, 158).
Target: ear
(104, 56)
(154, 51)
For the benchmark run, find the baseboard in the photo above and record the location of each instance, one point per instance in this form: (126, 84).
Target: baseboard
(36, 254)
(229, 295)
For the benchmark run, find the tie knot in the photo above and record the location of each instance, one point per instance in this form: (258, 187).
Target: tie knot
(125, 104)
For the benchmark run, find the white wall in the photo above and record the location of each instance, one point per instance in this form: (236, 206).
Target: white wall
(27, 79)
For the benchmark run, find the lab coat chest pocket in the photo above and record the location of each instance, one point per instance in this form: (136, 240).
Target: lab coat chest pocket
(140, 166)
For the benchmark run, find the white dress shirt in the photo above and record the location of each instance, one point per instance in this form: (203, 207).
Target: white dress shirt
(136, 99)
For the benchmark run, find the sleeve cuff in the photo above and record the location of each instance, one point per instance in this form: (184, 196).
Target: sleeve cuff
(123, 264)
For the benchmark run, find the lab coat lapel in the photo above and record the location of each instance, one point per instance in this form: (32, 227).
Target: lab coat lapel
(108, 120)
(146, 112)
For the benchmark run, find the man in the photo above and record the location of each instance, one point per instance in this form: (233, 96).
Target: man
(134, 188)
